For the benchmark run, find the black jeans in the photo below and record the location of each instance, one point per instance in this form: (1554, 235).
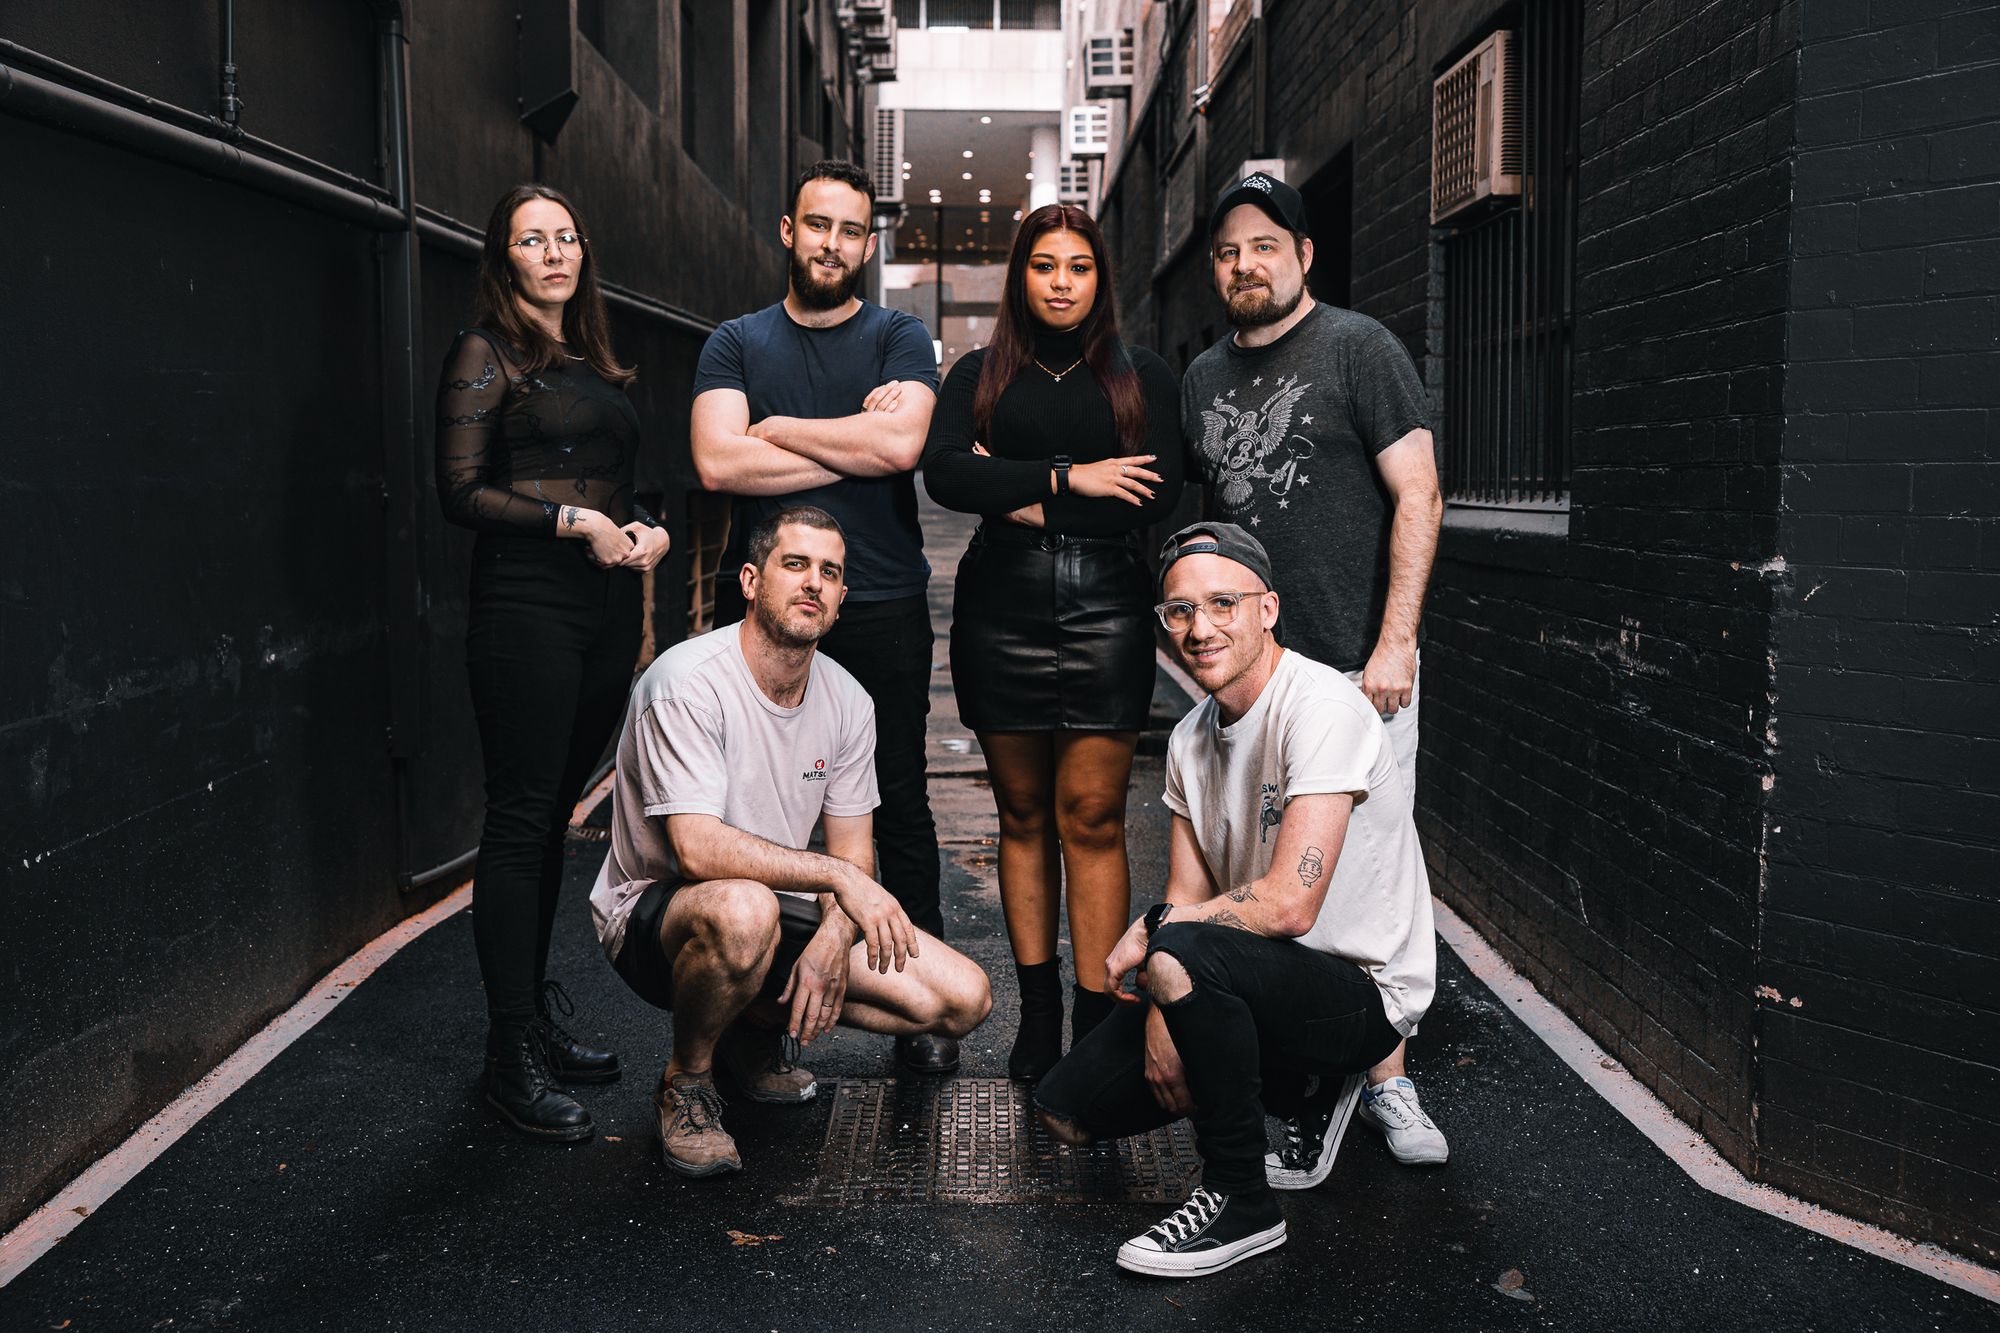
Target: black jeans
(549, 648)
(1263, 1015)
(887, 647)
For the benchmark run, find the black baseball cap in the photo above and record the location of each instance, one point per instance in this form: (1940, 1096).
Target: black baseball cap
(1223, 539)
(1280, 202)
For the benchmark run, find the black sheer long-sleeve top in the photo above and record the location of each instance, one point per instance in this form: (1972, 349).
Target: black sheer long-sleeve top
(514, 447)
(1039, 417)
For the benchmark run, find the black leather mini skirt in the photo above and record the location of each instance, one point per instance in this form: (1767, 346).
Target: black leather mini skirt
(1051, 633)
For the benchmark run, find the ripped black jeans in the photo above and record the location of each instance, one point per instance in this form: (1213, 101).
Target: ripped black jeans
(1263, 1015)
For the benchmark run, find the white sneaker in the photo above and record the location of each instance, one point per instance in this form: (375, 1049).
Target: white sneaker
(1392, 1110)
(1312, 1138)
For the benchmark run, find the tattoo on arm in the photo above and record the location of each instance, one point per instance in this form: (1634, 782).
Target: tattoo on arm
(570, 513)
(1311, 867)
(1225, 917)
(1242, 895)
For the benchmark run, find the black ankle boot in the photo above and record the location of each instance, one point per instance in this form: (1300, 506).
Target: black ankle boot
(1087, 1008)
(568, 1059)
(1039, 1044)
(519, 1086)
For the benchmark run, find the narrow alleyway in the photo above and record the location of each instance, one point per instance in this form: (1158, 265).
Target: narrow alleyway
(358, 1182)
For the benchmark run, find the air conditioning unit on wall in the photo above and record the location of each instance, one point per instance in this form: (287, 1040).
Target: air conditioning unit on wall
(1477, 138)
(1089, 130)
(1107, 63)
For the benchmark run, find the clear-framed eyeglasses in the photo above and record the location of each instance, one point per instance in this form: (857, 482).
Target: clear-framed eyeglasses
(565, 242)
(1220, 609)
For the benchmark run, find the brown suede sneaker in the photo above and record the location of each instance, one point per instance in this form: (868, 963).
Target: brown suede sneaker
(761, 1064)
(692, 1138)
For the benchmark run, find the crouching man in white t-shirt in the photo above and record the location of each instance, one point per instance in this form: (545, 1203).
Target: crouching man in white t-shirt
(736, 743)
(1294, 949)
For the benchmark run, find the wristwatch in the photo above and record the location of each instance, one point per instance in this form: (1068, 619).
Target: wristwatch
(1156, 916)
(1061, 464)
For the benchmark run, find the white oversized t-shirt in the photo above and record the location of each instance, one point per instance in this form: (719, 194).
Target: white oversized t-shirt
(701, 738)
(1312, 732)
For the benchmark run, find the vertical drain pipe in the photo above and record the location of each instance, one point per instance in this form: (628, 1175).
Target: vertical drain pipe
(402, 430)
(231, 109)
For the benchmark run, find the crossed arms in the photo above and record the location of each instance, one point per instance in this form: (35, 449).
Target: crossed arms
(781, 455)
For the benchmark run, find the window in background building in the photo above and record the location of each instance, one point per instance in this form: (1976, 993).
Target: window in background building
(769, 169)
(707, 533)
(708, 93)
(1509, 263)
(627, 34)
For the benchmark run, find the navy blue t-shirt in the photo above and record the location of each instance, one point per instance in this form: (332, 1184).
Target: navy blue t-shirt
(788, 370)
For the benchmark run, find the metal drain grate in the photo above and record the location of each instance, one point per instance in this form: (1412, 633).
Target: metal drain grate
(975, 1140)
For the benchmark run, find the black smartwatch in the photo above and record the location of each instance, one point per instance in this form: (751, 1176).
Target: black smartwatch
(1061, 464)
(1156, 916)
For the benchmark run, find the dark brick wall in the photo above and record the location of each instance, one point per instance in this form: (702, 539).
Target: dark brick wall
(1880, 1032)
(1724, 744)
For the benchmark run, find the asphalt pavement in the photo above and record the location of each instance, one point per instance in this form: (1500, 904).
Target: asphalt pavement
(358, 1182)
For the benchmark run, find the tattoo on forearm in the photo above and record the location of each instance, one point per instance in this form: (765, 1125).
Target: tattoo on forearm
(1242, 895)
(1311, 867)
(1225, 917)
(570, 515)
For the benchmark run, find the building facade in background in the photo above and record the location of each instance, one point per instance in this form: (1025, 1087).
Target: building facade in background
(235, 729)
(1712, 678)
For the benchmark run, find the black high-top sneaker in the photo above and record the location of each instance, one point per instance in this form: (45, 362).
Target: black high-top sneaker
(568, 1059)
(1312, 1137)
(518, 1085)
(1207, 1234)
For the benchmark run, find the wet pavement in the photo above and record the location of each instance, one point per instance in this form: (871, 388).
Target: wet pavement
(358, 1182)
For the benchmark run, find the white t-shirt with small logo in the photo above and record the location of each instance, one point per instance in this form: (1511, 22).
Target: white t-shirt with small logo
(701, 738)
(1310, 732)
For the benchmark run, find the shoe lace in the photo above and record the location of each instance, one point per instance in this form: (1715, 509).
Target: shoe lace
(698, 1109)
(788, 1054)
(1401, 1107)
(1190, 1217)
(1302, 1134)
(556, 1000)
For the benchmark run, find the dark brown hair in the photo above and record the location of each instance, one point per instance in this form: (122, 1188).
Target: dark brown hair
(1013, 344)
(585, 325)
(764, 537)
(836, 169)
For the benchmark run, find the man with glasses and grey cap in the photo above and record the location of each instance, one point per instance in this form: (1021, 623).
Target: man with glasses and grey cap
(1294, 949)
(1307, 426)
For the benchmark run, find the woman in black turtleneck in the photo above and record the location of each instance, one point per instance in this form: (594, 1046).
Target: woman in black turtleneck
(1067, 442)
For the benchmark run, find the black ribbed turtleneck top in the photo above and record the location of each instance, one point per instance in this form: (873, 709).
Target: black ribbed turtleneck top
(1039, 417)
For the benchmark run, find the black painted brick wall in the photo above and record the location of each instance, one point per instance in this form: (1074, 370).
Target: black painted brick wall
(1880, 1032)
(1654, 802)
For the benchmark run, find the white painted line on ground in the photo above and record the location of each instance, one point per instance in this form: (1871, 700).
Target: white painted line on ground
(1675, 1137)
(45, 1228)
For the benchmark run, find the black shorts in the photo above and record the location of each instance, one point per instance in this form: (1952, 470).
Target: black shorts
(643, 963)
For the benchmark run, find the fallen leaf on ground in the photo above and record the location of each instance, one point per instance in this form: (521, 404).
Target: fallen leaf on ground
(1171, 1301)
(747, 1238)
(281, 1166)
(1512, 1280)
(81, 1211)
(1465, 1060)
(613, 1138)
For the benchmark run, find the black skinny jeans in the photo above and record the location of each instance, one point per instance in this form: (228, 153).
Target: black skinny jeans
(550, 648)
(887, 647)
(1263, 1014)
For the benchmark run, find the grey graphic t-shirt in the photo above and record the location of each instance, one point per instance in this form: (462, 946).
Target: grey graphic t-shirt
(1285, 436)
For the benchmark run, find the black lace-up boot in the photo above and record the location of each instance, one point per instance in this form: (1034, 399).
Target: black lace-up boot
(519, 1086)
(569, 1060)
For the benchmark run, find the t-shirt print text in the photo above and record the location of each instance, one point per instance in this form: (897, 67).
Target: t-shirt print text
(1248, 445)
(1271, 815)
(817, 773)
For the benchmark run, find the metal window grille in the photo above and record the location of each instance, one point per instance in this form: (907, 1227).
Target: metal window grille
(1510, 282)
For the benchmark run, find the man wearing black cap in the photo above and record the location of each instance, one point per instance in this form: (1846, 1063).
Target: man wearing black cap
(1295, 945)
(1307, 427)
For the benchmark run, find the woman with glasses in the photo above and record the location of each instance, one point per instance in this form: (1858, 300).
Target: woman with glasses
(1066, 442)
(535, 450)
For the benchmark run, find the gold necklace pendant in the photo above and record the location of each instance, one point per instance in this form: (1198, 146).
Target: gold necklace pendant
(1057, 376)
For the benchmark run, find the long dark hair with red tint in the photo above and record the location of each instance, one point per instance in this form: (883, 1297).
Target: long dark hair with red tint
(586, 327)
(1013, 347)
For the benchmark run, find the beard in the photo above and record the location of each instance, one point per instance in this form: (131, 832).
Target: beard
(1254, 310)
(788, 631)
(816, 290)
